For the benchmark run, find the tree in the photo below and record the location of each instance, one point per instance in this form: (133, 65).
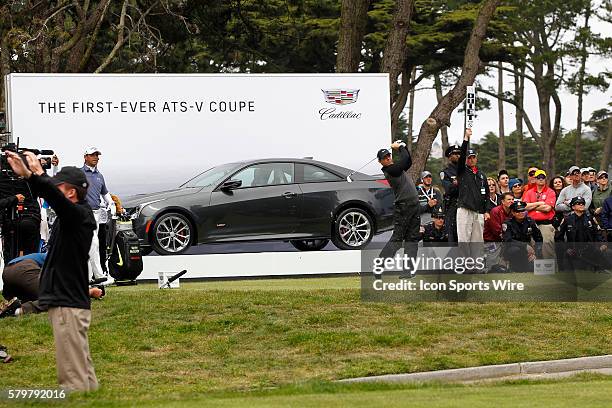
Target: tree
(440, 116)
(353, 19)
(443, 129)
(540, 28)
(73, 36)
(500, 112)
(585, 43)
(394, 58)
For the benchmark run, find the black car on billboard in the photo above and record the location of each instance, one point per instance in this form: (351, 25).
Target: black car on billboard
(303, 201)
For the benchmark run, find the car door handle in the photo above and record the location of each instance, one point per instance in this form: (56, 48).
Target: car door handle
(289, 195)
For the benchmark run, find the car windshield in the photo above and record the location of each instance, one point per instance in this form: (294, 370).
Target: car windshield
(210, 177)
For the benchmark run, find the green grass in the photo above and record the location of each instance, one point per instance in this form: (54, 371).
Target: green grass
(223, 342)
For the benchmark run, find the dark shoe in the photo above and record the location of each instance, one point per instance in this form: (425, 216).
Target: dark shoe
(7, 309)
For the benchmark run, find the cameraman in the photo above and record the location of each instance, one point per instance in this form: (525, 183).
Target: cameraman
(20, 216)
(64, 278)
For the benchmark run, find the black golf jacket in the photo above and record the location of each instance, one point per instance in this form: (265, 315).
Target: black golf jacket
(64, 279)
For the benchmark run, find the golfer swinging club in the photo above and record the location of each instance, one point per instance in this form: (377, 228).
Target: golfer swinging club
(406, 219)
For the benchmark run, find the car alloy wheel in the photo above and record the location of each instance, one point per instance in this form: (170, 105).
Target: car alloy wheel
(310, 244)
(353, 229)
(172, 234)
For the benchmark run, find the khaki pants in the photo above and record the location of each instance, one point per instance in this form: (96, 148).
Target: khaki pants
(470, 225)
(548, 241)
(74, 366)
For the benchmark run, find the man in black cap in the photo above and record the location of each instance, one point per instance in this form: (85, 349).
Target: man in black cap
(448, 176)
(517, 234)
(435, 231)
(406, 220)
(577, 230)
(64, 282)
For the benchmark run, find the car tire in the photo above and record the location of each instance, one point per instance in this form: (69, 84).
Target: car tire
(310, 244)
(353, 229)
(172, 234)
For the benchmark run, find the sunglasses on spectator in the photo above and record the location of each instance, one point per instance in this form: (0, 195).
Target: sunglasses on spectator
(575, 172)
(531, 173)
(603, 176)
(541, 177)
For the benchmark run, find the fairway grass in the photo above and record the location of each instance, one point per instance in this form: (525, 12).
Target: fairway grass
(240, 337)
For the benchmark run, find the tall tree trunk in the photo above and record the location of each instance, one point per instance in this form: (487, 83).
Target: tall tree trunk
(5, 67)
(394, 58)
(411, 111)
(500, 111)
(519, 88)
(443, 129)
(583, 58)
(353, 18)
(605, 159)
(440, 116)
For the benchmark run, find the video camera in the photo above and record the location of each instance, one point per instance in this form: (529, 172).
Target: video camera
(5, 168)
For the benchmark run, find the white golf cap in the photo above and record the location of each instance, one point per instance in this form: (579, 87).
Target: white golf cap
(92, 150)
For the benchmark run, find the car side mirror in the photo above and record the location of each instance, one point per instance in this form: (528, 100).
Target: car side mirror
(230, 185)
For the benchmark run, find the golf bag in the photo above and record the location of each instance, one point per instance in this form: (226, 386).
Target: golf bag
(125, 261)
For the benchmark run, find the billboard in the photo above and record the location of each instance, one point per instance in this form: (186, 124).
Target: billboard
(156, 131)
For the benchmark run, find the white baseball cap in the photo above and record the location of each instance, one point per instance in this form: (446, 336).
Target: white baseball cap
(92, 150)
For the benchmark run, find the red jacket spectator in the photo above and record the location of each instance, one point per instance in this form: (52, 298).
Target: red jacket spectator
(548, 196)
(493, 226)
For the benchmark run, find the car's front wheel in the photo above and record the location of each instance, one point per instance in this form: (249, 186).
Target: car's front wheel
(353, 229)
(310, 244)
(172, 234)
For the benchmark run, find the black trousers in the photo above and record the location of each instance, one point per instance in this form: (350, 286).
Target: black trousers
(516, 254)
(450, 223)
(406, 224)
(24, 233)
(102, 245)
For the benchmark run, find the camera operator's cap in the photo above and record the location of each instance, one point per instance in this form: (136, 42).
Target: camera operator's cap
(577, 200)
(539, 172)
(425, 174)
(518, 206)
(70, 175)
(601, 173)
(382, 153)
(573, 169)
(471, 152)
(513, 182)
(452, 149)
(92, 150)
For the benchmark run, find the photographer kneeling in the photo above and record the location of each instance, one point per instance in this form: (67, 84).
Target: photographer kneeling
(64, 277)
(20, 278)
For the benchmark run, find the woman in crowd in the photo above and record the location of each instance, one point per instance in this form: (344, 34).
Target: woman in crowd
(493, 196)
(557, 184)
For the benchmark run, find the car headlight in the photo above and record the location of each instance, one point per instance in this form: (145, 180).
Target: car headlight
(138, 209)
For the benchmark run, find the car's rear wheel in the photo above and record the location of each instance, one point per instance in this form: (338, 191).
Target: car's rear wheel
(310, 244)
(353, 229)
(172, 234)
